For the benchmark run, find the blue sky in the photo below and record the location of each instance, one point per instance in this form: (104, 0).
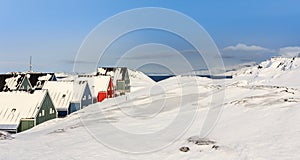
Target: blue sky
(53, 30)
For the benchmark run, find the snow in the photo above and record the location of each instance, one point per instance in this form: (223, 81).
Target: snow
(277, 71)
(64, 92)
(259, 120)
(61, 93)
(16, 105)
(138, 80)
(101, 71)
(45, 77)
(96, 83)
(12, 82)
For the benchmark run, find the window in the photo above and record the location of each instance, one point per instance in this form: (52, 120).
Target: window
(84, 98)
(50, 112)
(40, 114)
(90, 97)
(43, 112)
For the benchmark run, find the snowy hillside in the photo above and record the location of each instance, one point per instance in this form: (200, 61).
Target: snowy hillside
(139, 80)
(258, 120)
(277, 71)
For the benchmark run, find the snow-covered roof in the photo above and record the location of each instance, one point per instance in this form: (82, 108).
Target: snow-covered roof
(64, 92)
(45, 77)
(18, 105)
(96, 83)
(10, 81)
(101, 71)
(37, 80)
(13, 82)
(117, 73)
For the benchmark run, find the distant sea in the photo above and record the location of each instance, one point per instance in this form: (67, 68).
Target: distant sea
(158, 78)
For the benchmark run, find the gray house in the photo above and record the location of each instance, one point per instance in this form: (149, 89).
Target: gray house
(120, 77)
(69, 96)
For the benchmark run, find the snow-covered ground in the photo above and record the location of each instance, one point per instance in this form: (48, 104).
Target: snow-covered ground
(259, 119)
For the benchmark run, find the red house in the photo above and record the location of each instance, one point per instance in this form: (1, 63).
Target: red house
(104, 87)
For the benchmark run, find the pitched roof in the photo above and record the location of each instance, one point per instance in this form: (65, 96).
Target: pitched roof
(37, 80)
(117, 73)
(96, 83)
(16, 105)
(64, 92)
(10, 81)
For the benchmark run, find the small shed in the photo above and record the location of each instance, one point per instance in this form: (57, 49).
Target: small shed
(120, 77)
(21, 110)
(69, 96)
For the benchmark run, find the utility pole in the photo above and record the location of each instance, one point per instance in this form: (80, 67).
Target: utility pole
(30, 64)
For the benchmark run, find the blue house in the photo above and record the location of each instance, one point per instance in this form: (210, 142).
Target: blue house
(69, 96)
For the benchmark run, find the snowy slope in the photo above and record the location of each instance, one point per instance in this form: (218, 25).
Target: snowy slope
(259, 121)
(139, 80)
(277, 71)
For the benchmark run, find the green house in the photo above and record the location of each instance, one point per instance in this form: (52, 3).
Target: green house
(25, 84)
(21, 110)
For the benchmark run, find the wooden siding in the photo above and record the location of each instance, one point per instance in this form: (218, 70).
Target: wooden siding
(47, 111)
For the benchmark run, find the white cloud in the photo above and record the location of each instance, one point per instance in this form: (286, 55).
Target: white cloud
(289, 51)
(244, 47)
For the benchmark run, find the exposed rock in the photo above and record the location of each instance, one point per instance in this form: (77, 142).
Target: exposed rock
(184, 149)
(200, 141)
(215, 147)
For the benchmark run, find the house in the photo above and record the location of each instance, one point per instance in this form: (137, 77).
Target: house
(37, 79)
(69, 96)
(21, 110)
(13, 82)
(120, 77)
(24, 81)
(101, 86)
(104, 87)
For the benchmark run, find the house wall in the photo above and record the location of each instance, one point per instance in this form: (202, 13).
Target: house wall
(25, 84)
(62, 113)
(74, 107)
(127, 85)
(47, 111)
(102, 96)
(87, 98)
(127, 81)
(120, 86)
(25, 124)
(110, 89)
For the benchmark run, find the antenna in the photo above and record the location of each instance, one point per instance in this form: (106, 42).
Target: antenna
(30, 64)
